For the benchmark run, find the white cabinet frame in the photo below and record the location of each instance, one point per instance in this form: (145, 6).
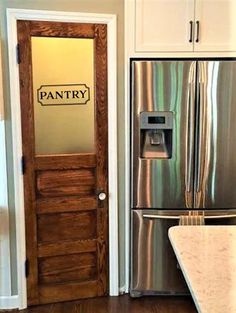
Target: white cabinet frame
(130, 40)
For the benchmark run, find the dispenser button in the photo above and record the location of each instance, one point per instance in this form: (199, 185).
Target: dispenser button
(156, 138)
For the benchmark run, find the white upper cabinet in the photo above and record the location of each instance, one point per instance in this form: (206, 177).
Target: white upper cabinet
(217, 25)
(184, 25)
(164, 25)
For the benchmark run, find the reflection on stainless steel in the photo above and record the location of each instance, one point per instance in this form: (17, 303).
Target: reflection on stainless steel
(149, 254)
(167, 182)
(218, 167)
(201, 133)
(190, 138)
(155, 145)
(163, 86)
(154, 268)
(183, 161)
(213, 122)
(153, 262)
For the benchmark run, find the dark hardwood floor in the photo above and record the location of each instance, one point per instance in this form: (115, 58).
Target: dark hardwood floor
(122, 304)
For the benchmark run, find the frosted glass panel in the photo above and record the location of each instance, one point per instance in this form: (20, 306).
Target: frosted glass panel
(63, 92)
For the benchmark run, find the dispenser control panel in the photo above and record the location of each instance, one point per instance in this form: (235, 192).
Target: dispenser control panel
(156, 120)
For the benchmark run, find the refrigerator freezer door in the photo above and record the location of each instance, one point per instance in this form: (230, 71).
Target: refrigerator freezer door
(216, 162)
(164, 90)
(154, 268)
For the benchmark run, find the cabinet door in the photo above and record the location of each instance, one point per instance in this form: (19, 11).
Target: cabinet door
(163, 25)
(217, 25)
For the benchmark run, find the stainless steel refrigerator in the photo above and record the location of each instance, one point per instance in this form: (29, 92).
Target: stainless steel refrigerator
(183, 157)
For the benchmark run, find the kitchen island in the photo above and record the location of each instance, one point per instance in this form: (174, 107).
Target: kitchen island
(207, 257)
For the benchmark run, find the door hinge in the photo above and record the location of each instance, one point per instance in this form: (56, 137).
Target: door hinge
(26, 268)
(18, 59)
(23, 165)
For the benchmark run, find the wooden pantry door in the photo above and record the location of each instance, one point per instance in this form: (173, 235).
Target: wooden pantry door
(63, 87)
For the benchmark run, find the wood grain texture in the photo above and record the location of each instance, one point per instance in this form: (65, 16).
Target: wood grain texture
(65, 204)
(121, 304)
(67, 226)
(67, 268)
(73, 291)
(67, 182)
(66, 161)
(102, 153)
(64, 218)
(66, 247)
(83, 190)
(58, 29)
(27, 124)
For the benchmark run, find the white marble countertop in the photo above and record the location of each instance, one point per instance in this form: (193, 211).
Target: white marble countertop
(207, 257)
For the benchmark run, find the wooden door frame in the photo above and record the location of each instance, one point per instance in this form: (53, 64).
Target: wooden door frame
(74, 17)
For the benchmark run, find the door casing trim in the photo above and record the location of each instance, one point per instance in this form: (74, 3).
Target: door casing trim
(5, 270)
(55, 16)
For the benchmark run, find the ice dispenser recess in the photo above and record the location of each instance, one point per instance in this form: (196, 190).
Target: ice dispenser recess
(156, 130)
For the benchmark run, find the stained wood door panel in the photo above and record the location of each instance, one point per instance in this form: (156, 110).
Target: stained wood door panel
(83, 190)
(73, 291)
(58, 29)
(68, 268)
(67, 226)
(63, 204)
(70, 274)
(67, 182)
(53, 179)
(65, 161)
(66, 247)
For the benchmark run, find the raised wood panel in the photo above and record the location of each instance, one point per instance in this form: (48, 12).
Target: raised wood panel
(64, 247)
(67, 182)
(63, 204)
(66, 161)
(67, 191)
(67, 226)
(67, 268)
(62, 292)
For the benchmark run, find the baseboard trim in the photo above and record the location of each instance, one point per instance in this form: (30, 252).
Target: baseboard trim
(123, 290)
(9, 302)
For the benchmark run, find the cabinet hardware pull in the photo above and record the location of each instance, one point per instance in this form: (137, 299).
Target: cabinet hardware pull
(198, 26)
(191, 31)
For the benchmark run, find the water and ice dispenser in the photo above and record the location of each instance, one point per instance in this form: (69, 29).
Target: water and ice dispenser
(156, 131)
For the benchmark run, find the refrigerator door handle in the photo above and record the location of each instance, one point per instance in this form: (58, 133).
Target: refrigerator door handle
(189, 150)
(202, 129)
(211, 217)
(189, 157)
(175, 217)
(161, 217)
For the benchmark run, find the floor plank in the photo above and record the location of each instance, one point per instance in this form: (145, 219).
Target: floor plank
(122, 304)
